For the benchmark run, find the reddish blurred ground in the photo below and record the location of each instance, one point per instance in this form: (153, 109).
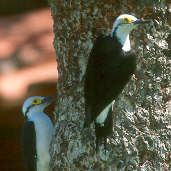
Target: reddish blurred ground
(27, 68)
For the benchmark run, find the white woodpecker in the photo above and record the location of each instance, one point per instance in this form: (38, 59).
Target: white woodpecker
(37, 133)
(110, 66)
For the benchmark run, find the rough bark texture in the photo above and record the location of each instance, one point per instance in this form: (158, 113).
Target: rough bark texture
(141, 130)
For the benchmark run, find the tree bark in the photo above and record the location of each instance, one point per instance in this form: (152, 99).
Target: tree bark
(141, 130)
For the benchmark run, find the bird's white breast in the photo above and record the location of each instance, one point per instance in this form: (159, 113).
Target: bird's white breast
(123, 37)
(44, 128)
(44, 133)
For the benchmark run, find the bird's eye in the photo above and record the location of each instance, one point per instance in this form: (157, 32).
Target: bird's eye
(126, 20)
(36, 101)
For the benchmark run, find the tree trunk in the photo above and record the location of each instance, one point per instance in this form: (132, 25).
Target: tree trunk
(141, 131)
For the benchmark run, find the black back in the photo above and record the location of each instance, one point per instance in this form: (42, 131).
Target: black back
(29, 145)
(108, 71)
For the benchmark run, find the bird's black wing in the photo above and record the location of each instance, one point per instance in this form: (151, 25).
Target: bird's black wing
(95, 75)
(29, 145)
(108, 71)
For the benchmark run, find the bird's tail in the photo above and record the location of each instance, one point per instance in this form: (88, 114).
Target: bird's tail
(102, 132)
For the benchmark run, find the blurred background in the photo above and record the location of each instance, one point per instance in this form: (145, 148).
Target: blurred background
(27, 68)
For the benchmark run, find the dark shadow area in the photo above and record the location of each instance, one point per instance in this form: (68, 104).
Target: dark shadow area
(11, 7)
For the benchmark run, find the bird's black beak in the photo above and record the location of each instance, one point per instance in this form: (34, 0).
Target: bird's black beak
(142, 21)
(49, 99)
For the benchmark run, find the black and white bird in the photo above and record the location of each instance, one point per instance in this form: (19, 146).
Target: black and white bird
(37, 134)
(110, 66)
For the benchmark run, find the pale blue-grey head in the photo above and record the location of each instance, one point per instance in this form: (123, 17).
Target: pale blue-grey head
(36, 104)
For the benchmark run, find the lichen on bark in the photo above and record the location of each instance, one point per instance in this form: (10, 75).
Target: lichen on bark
(141, 131)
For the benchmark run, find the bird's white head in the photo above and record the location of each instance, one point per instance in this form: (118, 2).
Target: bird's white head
(36, 104)
(122, 27)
